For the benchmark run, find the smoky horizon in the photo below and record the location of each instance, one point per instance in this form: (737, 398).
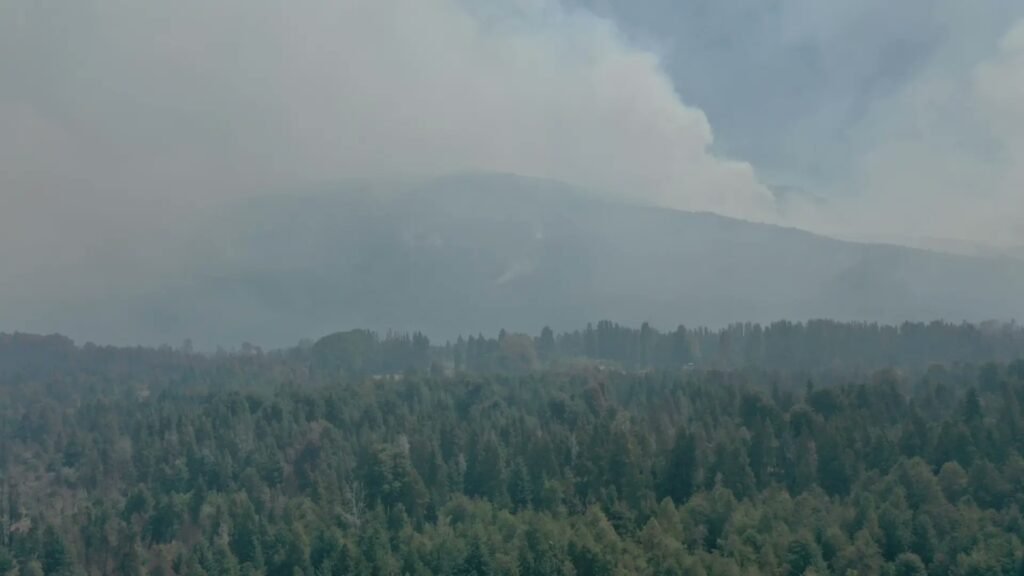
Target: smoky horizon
(236, 172)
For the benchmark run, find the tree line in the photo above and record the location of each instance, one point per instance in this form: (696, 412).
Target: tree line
(813, 346)
(141, 461)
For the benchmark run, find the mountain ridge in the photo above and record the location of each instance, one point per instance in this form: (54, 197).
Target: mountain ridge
(474, 253)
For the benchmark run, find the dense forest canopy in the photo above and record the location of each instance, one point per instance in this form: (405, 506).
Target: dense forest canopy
(794, 448)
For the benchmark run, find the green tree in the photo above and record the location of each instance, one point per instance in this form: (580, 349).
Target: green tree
(909, 564)
(54, 558)
(32, 568)
(802, 555)
(680, 473)
(476, 562)
(6, 561)
(519, 489)
(953, 480)
(485, 471)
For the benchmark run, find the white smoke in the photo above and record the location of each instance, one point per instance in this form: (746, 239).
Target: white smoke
(942, 160)
(120, 120)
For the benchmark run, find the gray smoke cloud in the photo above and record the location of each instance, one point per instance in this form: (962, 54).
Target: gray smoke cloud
(119, 120)
(870, 119)
(939, 159)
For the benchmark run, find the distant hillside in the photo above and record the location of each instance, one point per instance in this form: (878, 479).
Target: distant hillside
(478, 252)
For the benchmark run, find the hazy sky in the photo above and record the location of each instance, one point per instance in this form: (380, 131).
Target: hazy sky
(120, 119)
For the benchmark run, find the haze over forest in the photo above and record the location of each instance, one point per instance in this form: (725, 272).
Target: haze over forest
(460, 255)
(512, 288)
(235, 172)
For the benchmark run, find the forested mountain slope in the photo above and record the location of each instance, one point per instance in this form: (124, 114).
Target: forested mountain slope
(469, 253)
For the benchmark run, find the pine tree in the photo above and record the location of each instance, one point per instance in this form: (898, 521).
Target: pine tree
(54, 558)
(680, 474)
